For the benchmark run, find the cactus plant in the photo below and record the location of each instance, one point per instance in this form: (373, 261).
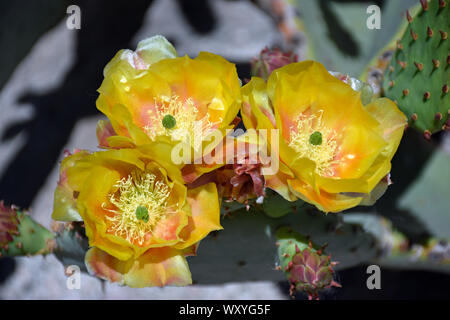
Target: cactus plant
(418, 76)
(307, 267)
(264, 233)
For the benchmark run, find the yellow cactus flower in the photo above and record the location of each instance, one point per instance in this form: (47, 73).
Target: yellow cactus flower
(140, 218)
(333, 150)
(151, 94)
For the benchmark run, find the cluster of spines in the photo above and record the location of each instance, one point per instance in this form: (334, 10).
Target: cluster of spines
(21, 235)
(419, 66)
(9, 222)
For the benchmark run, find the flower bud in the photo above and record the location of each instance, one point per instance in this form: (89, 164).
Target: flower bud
(271, 59)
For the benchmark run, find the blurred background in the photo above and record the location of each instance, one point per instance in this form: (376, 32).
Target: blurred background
(49, 75)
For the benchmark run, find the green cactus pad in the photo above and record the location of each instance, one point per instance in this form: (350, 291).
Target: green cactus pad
(418, 75)
(287, 240)
(275, 206)
(32, 238)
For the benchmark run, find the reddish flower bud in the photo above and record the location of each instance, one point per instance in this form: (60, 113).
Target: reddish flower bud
(8, 224)
(269, 60)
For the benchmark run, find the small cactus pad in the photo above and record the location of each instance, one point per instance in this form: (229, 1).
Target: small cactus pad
(20, 235)
(419, 72)
(306, 266)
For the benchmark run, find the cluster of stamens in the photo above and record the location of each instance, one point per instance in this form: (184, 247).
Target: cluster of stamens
(178, 120)
(140, 202)
(311, 139)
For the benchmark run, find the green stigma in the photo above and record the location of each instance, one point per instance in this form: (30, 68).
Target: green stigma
(169, 121)
(316, 138)
(142, 213)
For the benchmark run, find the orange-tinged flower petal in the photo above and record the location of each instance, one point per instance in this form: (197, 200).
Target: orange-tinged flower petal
(279, 182)
(64, 205)
(105, 266)
(104, 131)
(327, 202)
(191, 251)
(160, 152)
(363, 184)
(392, 123)
(122, 158)
(256, 110)
(119, 142)
(168, 229)
(204, 203)
(157, 267)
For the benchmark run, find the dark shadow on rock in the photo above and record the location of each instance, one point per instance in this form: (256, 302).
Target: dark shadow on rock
(198, 14)
(7, 266)
(106, 27)
(22, 23)
(337, 33)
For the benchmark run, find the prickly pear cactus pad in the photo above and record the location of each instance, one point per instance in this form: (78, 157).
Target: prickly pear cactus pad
(307, 267)
(418, 76)
(21, 235)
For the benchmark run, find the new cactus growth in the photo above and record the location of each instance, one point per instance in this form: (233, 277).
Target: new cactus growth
(418, 75)
(271, 59)
(306, 266)
(8, 226)
(21, 235)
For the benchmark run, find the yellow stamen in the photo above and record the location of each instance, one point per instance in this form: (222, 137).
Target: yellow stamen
(322, 154)
(184, 114)
(137, 192)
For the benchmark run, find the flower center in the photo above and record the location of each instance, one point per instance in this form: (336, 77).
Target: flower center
(169, 121)
(313, 140)
(142, 213)
(141, 201)
(178, 120)
(316, 138)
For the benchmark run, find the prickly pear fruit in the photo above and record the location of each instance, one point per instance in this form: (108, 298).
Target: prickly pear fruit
(418, 76)
(269, 60)
(307, 267)
(21, 235)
